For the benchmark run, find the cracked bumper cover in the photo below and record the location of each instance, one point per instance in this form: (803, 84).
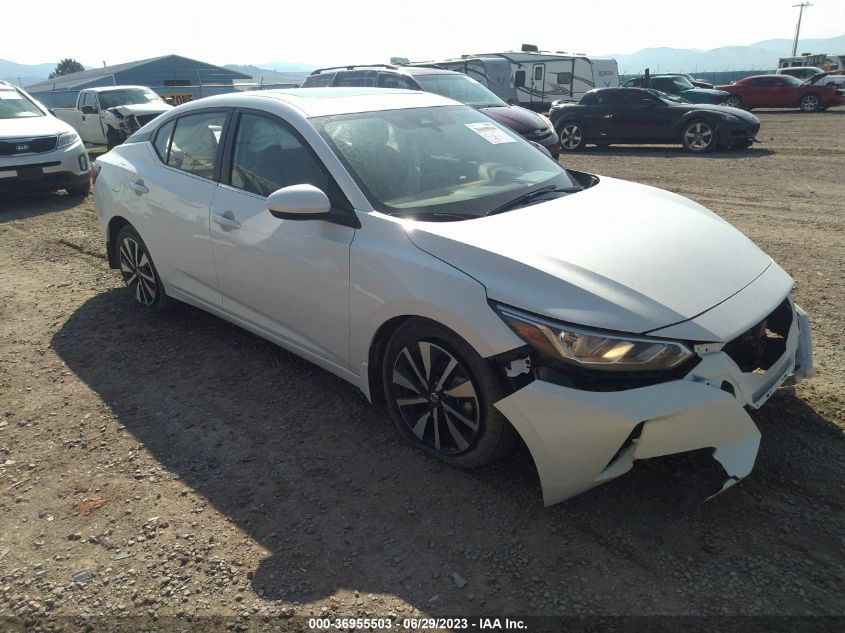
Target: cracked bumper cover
(578, 438)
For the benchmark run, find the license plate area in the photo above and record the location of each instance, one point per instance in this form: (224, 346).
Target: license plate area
(27, 174)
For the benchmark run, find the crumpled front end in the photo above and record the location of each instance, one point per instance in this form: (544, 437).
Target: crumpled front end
(581, 438)
(125, 121)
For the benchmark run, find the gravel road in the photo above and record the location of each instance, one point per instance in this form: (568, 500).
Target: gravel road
(174, 465)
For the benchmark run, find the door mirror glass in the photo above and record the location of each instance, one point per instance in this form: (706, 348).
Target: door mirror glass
(298, 202)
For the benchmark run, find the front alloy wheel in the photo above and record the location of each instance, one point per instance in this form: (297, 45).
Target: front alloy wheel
(434, 394)
(810, 103)
(699, 136)
(571, 137)
(440, 394)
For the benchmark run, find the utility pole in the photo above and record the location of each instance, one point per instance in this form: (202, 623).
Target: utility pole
(798, 26)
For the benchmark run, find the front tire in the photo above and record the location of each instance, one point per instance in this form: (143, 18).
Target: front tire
(138, 271)
(440, 394)
(113, 139)
(572, 136)
(810, 103)
(80, 190)
(699, 137)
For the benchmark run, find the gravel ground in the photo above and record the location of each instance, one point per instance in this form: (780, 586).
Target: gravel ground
(174, 465)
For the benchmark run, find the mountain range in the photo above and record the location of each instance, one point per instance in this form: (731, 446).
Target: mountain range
(758, 56)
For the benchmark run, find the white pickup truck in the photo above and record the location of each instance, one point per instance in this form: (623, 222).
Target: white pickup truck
(107, 116)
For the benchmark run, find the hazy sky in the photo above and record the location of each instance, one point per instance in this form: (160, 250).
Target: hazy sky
(367, 31)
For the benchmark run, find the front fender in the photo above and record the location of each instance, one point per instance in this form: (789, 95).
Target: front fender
(391, 277)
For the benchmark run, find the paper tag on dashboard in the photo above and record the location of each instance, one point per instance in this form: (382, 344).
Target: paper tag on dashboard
(490, 133)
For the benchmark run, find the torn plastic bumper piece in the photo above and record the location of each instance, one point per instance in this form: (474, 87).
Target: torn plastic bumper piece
(578, 438)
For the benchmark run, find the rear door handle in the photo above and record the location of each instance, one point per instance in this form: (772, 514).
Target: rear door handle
(608, 116)
(138, 186)
(226, 219)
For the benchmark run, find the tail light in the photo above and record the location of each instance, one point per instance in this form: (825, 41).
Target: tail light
(95, 171)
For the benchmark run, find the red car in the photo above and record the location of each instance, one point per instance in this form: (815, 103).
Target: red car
(781, 91)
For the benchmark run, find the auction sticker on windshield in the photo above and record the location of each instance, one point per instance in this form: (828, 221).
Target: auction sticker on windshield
(490, 133)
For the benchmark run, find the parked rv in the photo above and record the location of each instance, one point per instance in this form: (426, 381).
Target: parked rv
(534, 78)
(108, 116)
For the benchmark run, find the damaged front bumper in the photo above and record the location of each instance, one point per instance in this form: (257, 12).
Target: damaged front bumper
(580, 439)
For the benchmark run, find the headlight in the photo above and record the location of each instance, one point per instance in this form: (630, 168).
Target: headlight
(67, 138)
(548, 122)
(594, 350)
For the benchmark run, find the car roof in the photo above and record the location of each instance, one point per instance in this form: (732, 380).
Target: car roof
(314, 102)
(400, 70)
(110, 88)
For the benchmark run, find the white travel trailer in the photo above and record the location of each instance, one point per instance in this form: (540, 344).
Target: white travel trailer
(535, 78)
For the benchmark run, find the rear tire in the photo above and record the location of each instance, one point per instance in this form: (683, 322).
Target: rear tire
(440, 394)
(572, 136)
(138, 271)
(734, 101)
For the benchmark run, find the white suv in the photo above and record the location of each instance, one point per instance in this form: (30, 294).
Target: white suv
(37, 150)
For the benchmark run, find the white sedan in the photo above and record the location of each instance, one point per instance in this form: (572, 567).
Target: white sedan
(461, 277)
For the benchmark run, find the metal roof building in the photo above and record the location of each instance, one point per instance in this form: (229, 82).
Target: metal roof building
(172, 76)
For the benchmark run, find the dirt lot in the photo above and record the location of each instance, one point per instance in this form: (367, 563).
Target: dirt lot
(176, 465)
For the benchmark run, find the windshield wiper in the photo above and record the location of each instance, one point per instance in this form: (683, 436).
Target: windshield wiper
(412, 212)
(525, 198)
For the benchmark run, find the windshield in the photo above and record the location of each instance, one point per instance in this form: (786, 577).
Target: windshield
(128, 96)
(683, 83)
(460, 88)
(14, 105)
(451, 162)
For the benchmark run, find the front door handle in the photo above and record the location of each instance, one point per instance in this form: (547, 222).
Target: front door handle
(138, 186)
(227, 219)
(608, 116)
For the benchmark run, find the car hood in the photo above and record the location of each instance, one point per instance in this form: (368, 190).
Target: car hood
(737, 112)
(618, 256)
(142, 108)
(33, 126)
(704, 92)
(518, 119)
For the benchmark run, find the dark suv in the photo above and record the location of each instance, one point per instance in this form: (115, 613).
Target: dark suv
(532, 126)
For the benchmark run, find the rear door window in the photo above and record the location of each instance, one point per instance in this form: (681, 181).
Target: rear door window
(357, 78)
(195, 143)
(315, 81)
(392, 80)
(162, 140)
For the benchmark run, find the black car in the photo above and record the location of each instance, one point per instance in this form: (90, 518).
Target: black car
(636, 115)
(448, 83)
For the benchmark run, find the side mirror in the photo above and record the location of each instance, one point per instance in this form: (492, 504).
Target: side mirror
(541, 149)
(299, 202)
(87, 109)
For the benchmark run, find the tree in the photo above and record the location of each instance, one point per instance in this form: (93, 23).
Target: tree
(66, 67)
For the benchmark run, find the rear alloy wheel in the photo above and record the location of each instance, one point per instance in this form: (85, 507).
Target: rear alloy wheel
(699, 136)
(139, 273)
(810, 103)
(734, 101)
(440, 394)
(571, 137)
